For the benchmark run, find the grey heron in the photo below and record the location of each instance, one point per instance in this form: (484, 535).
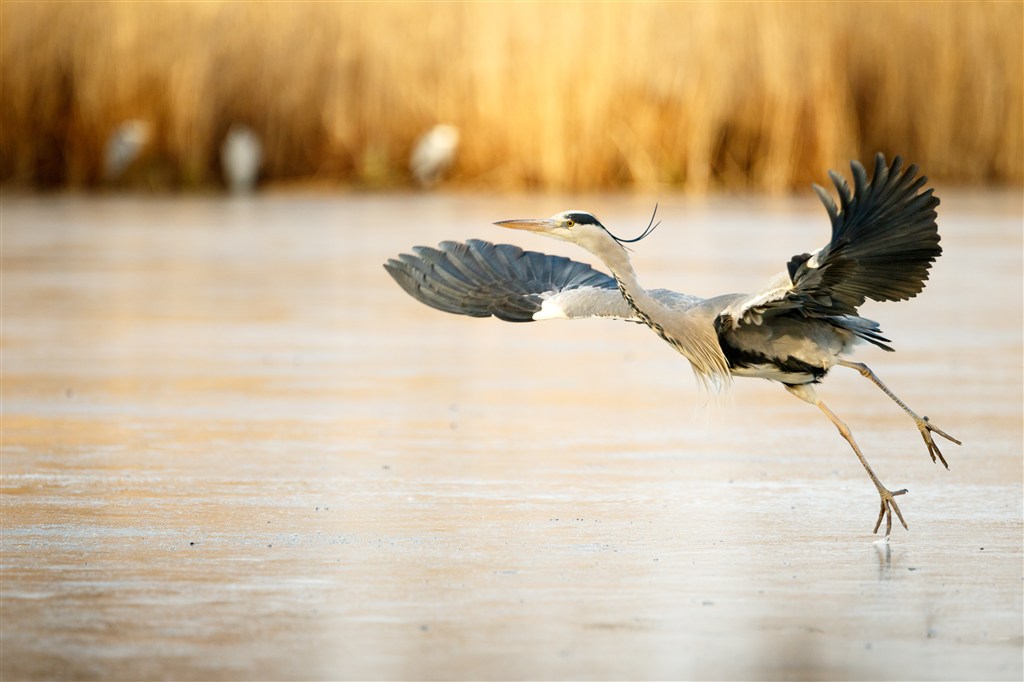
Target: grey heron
(793, 330)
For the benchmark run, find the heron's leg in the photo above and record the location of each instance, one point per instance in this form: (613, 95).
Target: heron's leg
(807, 393)
(923, 425)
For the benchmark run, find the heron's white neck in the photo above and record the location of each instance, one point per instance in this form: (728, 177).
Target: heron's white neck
(690, 332)
(643, 304)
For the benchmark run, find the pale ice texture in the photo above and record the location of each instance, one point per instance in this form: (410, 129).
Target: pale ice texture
(233, 448)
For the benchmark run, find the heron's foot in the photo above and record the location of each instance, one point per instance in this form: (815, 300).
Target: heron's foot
(926, 429)
(888, 507)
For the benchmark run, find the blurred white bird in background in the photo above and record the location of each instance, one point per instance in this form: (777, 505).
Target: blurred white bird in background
(241, 156)
(124, 146)
(434, 154)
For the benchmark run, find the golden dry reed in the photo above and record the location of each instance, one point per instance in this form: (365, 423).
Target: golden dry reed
(546, 95)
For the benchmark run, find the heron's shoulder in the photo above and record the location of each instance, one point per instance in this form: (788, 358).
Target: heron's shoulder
(735, 309)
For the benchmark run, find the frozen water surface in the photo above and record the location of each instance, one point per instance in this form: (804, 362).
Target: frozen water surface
(234, 448)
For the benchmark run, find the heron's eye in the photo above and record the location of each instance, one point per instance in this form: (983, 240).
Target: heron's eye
(569, 222)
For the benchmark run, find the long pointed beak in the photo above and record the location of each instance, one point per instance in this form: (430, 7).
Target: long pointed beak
(532, 224)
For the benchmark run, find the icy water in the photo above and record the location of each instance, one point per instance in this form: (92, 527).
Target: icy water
(233, 448)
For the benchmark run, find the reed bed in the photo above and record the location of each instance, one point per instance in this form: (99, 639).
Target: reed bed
(562, 96)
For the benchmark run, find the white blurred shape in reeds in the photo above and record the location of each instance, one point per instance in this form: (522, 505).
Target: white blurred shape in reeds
(124, 147)
(434, 154)
(241, 156)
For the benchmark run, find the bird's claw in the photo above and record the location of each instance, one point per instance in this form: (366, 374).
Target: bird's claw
(926, 429)
(888, 506)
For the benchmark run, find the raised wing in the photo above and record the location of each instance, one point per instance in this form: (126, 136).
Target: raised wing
(884, 240)
(481, 279)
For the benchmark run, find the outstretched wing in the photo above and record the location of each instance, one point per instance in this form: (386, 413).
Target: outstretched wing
(481, 279)
(884, 240)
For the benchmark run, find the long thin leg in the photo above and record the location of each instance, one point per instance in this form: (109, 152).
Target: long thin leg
(888, 502)
(923, 425)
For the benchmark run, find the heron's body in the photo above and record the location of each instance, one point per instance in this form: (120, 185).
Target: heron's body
(793, 330)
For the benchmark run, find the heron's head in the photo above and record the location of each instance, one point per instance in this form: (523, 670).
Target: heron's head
(569, 226)
(579, 227)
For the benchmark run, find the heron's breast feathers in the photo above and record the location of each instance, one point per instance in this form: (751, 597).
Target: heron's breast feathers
(693, 334)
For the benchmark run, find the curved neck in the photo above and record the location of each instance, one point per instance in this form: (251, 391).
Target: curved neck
(642, 303)
(690, 332)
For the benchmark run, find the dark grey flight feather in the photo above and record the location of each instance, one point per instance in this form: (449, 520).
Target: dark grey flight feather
(884, 240)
